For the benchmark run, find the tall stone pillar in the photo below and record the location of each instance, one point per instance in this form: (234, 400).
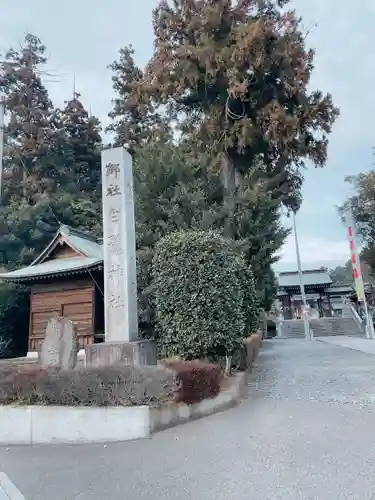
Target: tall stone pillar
(122, 343)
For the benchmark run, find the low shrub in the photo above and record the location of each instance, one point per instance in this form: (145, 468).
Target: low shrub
(107, 386)
(197, 380)
(14, 320)
(271, 329)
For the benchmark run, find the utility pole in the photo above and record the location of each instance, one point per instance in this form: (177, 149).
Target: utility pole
(2, 115)
(303, 294)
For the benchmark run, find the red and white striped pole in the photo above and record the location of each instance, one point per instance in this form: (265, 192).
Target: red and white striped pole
(357, 273)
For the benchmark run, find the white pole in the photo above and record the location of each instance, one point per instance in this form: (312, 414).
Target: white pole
(2, 114)
(303, 295)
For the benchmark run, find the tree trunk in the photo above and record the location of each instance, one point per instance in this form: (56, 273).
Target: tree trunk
(228, 365)
(228, 173)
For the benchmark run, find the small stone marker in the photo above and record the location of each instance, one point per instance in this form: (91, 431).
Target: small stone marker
(60, 346)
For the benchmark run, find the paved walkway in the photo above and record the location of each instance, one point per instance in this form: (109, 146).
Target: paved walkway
(355, 343)
(305, 431)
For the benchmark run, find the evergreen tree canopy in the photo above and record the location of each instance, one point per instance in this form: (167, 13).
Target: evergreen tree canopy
(52, 160)
(31, 131)
(135, 119)
(82, 149)
(235, 75)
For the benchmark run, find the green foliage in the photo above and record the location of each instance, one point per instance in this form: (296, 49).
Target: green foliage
(268, 293)
(174, 190)
(260, 234)
(14, 320)
(342, 274)
(52, 160)
(147, 321)
(236, 77)
(134, 124)
(81, 149)
(199, 298)
(251, 309)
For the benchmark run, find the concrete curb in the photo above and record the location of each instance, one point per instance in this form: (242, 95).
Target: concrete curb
(72, 425)
(165, 417)
(8, 490)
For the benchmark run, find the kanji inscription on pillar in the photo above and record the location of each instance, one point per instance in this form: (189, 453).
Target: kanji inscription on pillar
(120, 278)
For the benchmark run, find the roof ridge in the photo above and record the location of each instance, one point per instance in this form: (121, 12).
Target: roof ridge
(305, 271)
(68, 230)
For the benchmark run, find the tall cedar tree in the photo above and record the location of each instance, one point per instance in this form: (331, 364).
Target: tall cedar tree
(39, 142)
(236, 75)
(81, 148)
(31, 151)
(31, 132)
(135, 120)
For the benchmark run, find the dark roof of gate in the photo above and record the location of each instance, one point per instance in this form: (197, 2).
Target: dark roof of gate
(318, 277)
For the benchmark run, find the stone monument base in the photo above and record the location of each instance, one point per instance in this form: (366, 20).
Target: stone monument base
(140, 352)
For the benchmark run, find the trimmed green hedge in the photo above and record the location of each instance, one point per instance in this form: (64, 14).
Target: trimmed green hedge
(199, 296)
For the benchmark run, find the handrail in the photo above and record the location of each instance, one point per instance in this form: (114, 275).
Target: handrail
(357, 318)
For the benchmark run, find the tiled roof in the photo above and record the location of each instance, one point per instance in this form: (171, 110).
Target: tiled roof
(57, 267)
(85, 245)
(291, 279)
(89, 248)
(79, 241)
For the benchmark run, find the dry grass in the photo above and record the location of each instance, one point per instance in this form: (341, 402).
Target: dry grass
(110, 386)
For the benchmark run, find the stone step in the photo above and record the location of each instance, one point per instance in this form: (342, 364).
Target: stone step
(323, 327)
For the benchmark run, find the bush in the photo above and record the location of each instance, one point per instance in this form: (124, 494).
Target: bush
(251, 307)
(108, 386)
(271, 329)
(199, 300)
(197, 380)
(146, 295)
(14, 320)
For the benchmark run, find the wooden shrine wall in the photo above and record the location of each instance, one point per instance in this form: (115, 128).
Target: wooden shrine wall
(73, 300)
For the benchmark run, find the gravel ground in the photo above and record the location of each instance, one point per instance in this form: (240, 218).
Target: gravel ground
(306, 430)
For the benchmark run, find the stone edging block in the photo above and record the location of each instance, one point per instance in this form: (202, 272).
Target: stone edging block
(62, 424)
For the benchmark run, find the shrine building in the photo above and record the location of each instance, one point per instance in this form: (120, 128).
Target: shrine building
(66, 279)
(321, 294)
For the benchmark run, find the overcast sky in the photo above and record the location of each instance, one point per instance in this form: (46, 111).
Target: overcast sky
(83, 37)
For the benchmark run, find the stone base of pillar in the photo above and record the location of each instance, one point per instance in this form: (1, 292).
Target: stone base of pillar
(140, 352)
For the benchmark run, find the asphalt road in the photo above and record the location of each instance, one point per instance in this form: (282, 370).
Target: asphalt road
(305, 431)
